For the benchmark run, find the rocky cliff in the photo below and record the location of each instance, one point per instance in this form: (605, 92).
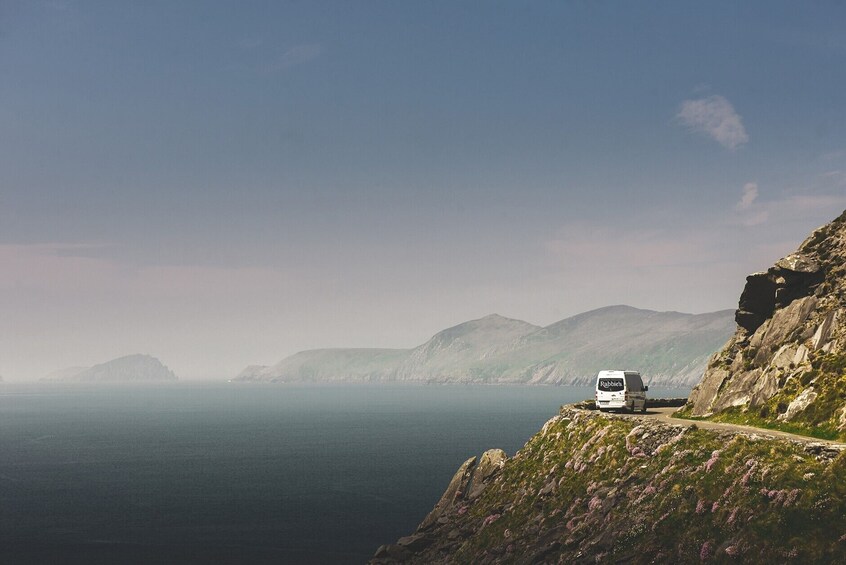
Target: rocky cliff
(785, 366)
(669, 348)
(594, 488)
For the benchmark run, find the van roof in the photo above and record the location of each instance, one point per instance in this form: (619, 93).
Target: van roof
(616, 373)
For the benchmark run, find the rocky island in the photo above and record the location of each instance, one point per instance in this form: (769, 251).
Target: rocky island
(130, 368)
(593, 487)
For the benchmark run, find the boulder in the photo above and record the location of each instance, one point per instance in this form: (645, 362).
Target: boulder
(801, 402)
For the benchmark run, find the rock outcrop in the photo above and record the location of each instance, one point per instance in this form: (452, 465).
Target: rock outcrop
(597, 488)
(785, 362)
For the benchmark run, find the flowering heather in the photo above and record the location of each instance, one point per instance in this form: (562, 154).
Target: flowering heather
(594, 503)
(715, 456)
(708, 487)
(732, 550)
(706, 552)
(490, 519)
(733, 517)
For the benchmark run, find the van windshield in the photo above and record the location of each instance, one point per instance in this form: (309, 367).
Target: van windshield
(610, 385)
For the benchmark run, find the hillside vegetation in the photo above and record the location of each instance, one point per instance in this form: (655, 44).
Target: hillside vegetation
(594, 488)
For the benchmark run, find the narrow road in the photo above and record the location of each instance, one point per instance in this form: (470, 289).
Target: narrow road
(665, 415)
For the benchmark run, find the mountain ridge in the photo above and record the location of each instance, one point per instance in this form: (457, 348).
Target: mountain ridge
(669, 347)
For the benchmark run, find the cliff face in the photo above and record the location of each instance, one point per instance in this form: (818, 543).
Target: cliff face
(602, 488)
(785, 366)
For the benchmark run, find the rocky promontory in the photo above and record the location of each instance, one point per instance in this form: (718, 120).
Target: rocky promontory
(597, 488)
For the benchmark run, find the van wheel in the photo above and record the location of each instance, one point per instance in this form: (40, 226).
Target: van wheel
(643, 408)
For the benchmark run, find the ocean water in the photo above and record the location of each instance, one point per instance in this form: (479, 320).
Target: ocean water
(240, 473)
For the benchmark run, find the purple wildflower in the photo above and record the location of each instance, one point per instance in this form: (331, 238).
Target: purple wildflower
(732, 550)
(732, 517)
(715, 455)
(594, 503)
(706, 552)
(490, 520)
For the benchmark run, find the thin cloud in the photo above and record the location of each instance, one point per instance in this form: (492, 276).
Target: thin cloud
(296, 55)
(716, 117)
(750, 193)
(833, 155)
(746, 214)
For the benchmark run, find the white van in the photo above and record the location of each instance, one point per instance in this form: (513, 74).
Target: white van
(620, 390)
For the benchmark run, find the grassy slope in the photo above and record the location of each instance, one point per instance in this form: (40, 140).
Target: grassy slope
(821, 419)
(702, 495)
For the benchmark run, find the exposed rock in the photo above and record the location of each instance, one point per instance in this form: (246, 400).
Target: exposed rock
(490, 463)
(757, 301)
(801, 402)
(414, 542)
(825, 330)
(774, 332)
(455, 492)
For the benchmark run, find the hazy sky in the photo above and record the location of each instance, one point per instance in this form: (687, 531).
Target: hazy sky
(226, 183)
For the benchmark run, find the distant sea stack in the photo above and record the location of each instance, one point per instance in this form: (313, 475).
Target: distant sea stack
(131, 368)
(669, 348)
(786, 363)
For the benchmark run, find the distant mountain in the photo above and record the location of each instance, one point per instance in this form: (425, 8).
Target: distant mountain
(667, 347)
(131, 368)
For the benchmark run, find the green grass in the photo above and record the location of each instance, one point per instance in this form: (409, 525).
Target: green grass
(736, 415)
(665, 506)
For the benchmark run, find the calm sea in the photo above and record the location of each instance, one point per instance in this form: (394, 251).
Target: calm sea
(240, 473)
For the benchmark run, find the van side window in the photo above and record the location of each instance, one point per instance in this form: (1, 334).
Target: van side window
(633, 383)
